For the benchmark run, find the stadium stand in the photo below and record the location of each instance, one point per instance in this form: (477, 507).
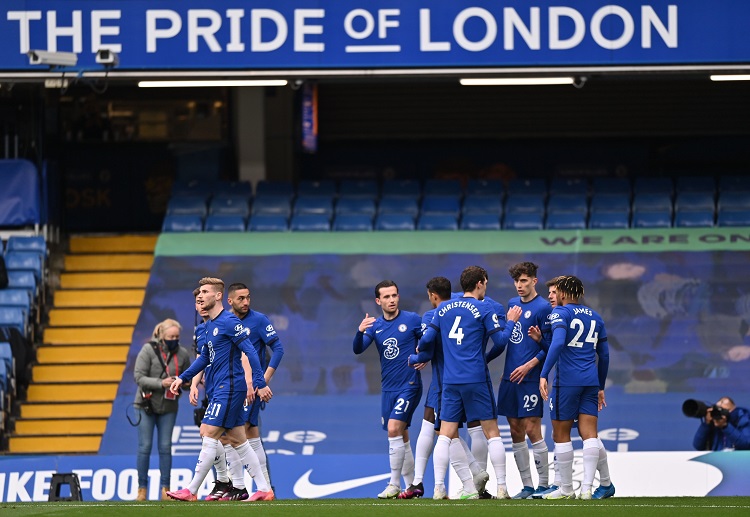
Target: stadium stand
(318, 204)
(348, 222)
(271, 204)
(229, 204)
(268, 223)
(305, 222)
(490, 221)
(476, 187)
(694, 219)
(437, 221)
(566, 221)
(188, 205)
(182, 223)
(523, 221)
(225, 223)
(367, 189)
(324, 188)
(394, 222)
(355, 206)
(609, 220)
(402, 188)
(652, 219)
(441, 204)
(398, 205)
(482, 204)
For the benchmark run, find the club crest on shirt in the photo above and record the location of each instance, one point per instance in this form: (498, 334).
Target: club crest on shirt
(391, 348)
(527, 314)
(216, 331)
(516, 336)
(402, 328)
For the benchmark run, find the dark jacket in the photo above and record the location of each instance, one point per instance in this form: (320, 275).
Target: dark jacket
(736, 435)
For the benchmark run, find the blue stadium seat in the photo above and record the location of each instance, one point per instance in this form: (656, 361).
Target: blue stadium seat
(23, 280)
(733, 218)
(441, 204)
(402, 188)
(523, 221)
(352, 223)
(394, 222)
(25, 261)
(653, 185)
(268, 204)
(5, 381)
(6, 359)
(13, 317)
(229, 204)
(442, 187)
(605, 220)
(493, 188)
(310, 223)
(398, 205)
(437, 222)
(322, 188)
(187, 205)
(704, 184)
(568, 203)
(652, 219)
(734, 200)
(367, 189)
(524, 203)
(268, 223)
(225, 223)
(566, 221)
(474, 204)
(579, 186)
(274, 188)
(534, 186)
(610, 185)
(182, 223)
(232, 188)
(652, 202)
(355, 205)
(610, 202)
(16, 298)
(28, 243)
(694, 219)
(480, 221)
(694, 201)
(315, 205)
(732, 183)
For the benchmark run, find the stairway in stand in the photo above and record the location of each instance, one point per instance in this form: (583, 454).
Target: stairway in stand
(85, 346)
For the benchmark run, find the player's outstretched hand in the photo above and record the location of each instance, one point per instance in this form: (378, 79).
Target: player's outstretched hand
(543, 388)
(175, 387)
(366, 323)
(535, 333)
(265, 394)
(193, 398)
(514, 313)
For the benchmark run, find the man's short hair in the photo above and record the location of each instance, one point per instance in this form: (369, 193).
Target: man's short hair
(523, 268)
(441, 286)
(196, 292)
(570, 285)
(551, 281)
(471, 276)
(383, 285)
(236, 287)
(217, 283)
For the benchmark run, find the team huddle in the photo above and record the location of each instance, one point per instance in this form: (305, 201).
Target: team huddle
(536, 336)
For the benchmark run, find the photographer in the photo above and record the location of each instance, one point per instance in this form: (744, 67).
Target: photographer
(158, 363)
(724, 427)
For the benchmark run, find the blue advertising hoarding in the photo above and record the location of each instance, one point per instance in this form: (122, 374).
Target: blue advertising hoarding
(373, 34)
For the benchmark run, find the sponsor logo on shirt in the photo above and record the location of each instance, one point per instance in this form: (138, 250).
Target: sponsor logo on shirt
(516, 336)
(391, 351)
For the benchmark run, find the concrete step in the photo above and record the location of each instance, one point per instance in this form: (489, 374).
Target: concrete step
(93, 317)
(95, 392)
(61, 354)
(78, 373)
(88, 336)
(54, 444)
(97, 298)
(108, 262)
(103, 280)
(66, 410)
(113, 243)
(59, 426)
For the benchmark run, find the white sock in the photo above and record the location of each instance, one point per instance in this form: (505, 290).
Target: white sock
(473, 463)
(407, 471)
(234, 465)
(603, 465)
(541, 460)
(424, 449)
(205, 462)
(441, 458)
(479, 446)
(497, 455)
(260, 452)
(460, 464)
(564, 455)
(396, 457)
(220, 464)
(556, 466)
(521, 454)
(249, 462)
(590, 459)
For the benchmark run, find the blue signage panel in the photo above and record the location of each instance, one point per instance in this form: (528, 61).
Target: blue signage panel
(373, 34)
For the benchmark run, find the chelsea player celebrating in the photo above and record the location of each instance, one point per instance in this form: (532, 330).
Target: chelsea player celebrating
(395, 334)
(578, 337)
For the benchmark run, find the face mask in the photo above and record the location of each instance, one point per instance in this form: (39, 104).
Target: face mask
(172, 344)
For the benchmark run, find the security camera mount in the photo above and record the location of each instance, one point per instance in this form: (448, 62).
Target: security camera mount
(52, 59)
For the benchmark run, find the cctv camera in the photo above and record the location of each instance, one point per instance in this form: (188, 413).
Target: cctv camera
(107, 58)
(42, 57)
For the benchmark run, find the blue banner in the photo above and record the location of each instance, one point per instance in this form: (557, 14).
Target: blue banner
(372, 34)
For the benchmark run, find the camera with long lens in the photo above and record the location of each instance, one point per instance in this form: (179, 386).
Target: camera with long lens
(696, 409)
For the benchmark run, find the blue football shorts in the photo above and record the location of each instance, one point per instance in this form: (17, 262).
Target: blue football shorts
(519, 400)
(468, 402)
(399, 405)
(567, 402)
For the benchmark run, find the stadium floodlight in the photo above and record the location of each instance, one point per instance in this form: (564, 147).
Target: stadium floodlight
(43, 57)
(201, 84)
(516, 81)
(729, 77)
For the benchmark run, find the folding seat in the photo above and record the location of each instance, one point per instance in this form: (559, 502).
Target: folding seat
(474, 204)
(733, 218)
(606, 220)
(310, 223)
(566, 186)
(703, 184)
(734, 183)
(568, 203)
(272, 205)
(7, 360)
(322, 188)
(274, 188)
(23, 280)
(652, 219)
(523, 221)
(610, 185)
(437, 222)
(402, 188)
(268, 223)
(16, 298)
(653, 185)
(233, 188)
(694, 219)
(352, 223)
(367, 189)
(486, 221)
(25, 261)
(442, 187)
(187, 205)
(317, 205)
(694, 201)
(182, 223)
(28, 243)
(734, 200)
(225, 223)
(398, 205)
(536, 186)
(394, 222)
(13, 317)
(355, 205)
(524, 203)
(492, 188)
(566, 221)
(610, 202)
(652, 202)
(229, 204)
(441, 204)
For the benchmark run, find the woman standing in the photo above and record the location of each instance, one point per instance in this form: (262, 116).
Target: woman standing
(158, 363)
